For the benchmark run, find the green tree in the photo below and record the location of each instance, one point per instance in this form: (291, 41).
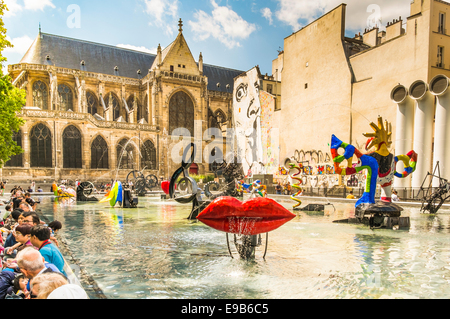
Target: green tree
(12, 100)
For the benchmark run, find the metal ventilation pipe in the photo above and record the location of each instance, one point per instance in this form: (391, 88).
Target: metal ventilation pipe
(404, 128)
(423, 130)
(439, 87)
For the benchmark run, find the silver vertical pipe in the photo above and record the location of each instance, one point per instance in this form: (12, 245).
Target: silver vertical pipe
(404, 128)
(439, 87)
(423, 130)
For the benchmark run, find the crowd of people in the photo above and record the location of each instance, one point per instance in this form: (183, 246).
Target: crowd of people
(32, 267)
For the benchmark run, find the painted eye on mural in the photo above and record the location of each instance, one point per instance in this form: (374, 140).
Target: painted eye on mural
(241, 92)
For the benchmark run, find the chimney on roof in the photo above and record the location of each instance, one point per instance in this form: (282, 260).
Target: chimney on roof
(371, 37)
(394, 29)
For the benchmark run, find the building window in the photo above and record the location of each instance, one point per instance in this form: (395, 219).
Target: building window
(441, 27)
(92, 103)
(181, 113)
(112, 102)
(65, 98)
(270, 88)
(16, 160)
(40, 95)
(440, 57)
(171, 68)
(148, 153)
(125, 155)
(72, 148)
(99, 154)
(41, 146)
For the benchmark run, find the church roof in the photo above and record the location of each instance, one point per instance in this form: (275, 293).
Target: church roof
(68, 53)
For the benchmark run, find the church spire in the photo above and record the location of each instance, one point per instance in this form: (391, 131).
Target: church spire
(180, 25)
(200, 63)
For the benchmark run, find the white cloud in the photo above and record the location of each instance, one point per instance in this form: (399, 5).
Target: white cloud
(136, 48)
(223, 24)
(160, 11)
(291, 11)
(298, 13)
(38, 4)
(13, 7)
(267, 13)
(21, 45)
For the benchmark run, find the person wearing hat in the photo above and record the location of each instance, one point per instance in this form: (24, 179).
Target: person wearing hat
(68, 292)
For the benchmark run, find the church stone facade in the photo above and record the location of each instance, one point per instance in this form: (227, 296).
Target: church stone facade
(96, 112)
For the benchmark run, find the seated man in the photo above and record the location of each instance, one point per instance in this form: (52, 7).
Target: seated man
(31, 263)
(351, 196)
(40, 238)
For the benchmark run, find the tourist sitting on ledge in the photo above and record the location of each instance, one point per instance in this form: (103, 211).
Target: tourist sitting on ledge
(351, 196)
(40, 238)
(43, 285)
(394, 196)
(31, 263)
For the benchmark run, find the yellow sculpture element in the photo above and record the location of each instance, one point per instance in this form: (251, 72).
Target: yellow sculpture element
(382, 138)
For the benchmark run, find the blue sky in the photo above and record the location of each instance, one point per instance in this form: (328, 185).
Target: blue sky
(237, 34)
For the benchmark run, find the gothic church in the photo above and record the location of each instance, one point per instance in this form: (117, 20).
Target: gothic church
(97, 112)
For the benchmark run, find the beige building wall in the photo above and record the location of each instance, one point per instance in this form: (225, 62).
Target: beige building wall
(316, 86)
(332, 84)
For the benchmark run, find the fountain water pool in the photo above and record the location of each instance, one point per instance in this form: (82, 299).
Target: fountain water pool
(154, 252)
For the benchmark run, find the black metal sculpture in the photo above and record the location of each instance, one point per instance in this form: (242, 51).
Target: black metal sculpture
(142, 183)
(85, 191)
(128, 200)
(194, 192)
(231, 172)
(434, 198)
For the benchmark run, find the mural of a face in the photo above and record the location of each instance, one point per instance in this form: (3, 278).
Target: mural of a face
(247, 115)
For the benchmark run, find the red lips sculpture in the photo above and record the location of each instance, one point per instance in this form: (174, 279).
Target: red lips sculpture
(252, 217)
(165, 187)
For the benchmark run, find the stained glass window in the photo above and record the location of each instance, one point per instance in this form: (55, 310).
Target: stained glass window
(72, 148)
(65, 98)
(148, 153)
(92, 103)
(40, 95)
(181, 112)
(99, 153)
(41, 146)
(126, 155)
